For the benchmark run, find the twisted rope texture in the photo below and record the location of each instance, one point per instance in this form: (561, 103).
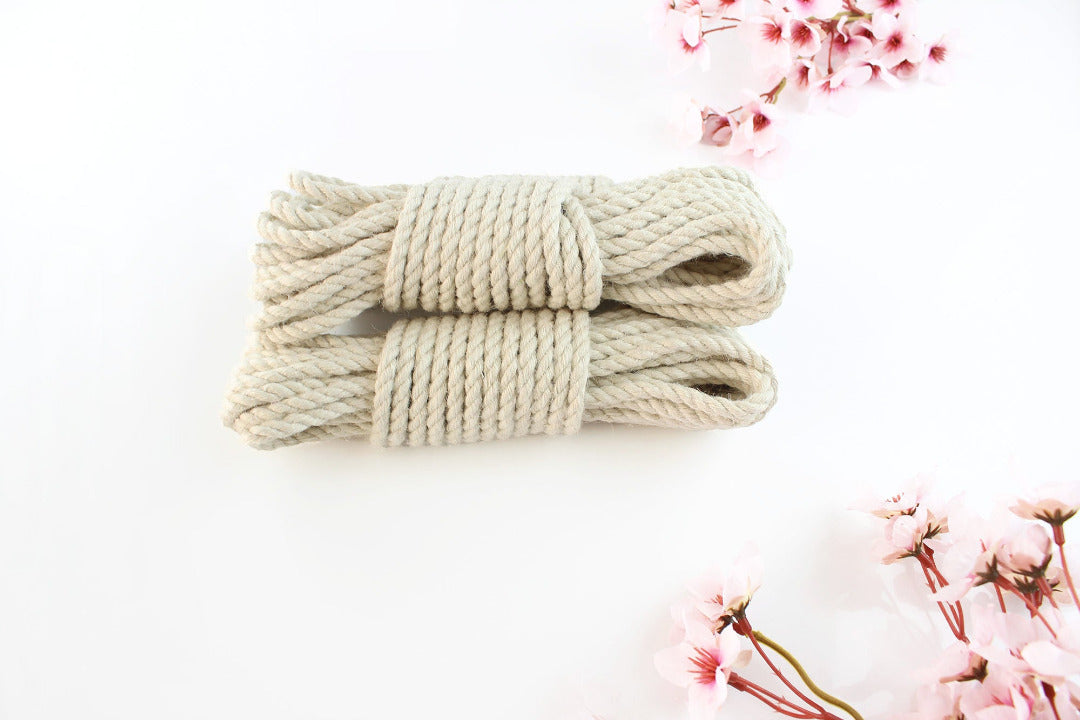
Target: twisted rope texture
(693, 244)
(453, 379)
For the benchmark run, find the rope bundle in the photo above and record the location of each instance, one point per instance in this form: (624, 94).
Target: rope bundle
(451, 379)
(517, 267)
(696, 244)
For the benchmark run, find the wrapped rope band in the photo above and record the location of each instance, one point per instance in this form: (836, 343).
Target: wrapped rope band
(695, 244)
(454, 379)
(481, 377)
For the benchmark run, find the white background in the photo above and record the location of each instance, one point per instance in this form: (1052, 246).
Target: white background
(151, 565)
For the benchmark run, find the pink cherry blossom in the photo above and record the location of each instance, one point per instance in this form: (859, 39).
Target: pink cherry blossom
(848, 42)
(1049, 661)
(687, 43)
(805, 74)
(835, 91)
(903, 503)
(657, 17)
(905, 535)
(685, 120)
(719, 127)
(1059, 591)
(896, 41)
(723, 595)
(877, 70)
(1053, 504)
(935, 66)
(703, 664)
(1019, 644)
(906, 70)
(985, 568)
(805, 38)
(687, 620)
(1000, 637)
(959, 664)
(770, 39)
(1001, 696)
(903, 538)
(1026, 551)
(756, 135)
(938, 701)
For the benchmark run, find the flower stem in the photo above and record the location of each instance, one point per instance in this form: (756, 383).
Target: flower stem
(1047, 591)
(929, 565)
(1059, 540)
(1048, 691)
(1000, 597)
(774, 93)
(782, 652)
(743, 626)
(950, 620)
(1032, 608)
(770, 699)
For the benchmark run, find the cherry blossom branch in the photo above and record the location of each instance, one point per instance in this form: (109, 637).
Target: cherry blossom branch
(783, 652)
(954, 612)
(926, 559)
(829, 48)
(772, 95)
(950, 620)
(770, 699)
(742, 626)
(1059, 541)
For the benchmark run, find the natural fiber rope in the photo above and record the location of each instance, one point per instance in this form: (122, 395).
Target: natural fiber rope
(453, 379)
(696, 244)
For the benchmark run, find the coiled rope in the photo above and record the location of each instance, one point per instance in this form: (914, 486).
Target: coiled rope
(465, 378)
(694, 244)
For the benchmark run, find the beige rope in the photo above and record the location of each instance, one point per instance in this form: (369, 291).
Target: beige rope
(695, 244)
(453, 379)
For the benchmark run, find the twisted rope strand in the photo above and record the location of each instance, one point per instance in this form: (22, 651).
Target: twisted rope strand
(452, 379)
(694, 244)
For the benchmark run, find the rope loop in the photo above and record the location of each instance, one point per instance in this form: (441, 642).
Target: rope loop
(464, 378)
(695, 244)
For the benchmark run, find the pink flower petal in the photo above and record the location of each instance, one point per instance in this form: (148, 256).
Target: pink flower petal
(705, 700)
(1049, 660)
(674, 665)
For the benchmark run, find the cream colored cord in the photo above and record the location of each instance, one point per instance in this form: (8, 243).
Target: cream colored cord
(465, 378)
(694, 244)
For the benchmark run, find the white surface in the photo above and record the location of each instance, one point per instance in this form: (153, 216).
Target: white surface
(153, 566)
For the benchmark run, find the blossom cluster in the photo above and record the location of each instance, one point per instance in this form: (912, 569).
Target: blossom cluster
(716, 641)
(823, 49)
(1003, 588)
(1010, 604)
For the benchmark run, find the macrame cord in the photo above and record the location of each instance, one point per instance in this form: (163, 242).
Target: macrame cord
(452, 379)
(696, 244)
(517, 267)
